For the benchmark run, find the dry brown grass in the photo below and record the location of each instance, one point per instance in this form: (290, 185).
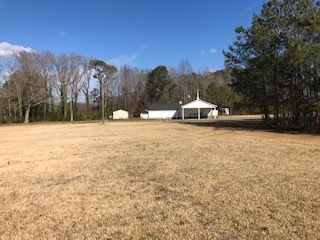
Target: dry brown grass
(157, 180)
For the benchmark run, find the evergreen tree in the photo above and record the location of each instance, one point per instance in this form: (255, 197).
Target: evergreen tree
(275, 62)
(159, 85)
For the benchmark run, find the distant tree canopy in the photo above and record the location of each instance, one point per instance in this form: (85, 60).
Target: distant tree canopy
(41, 86)
(275, 62)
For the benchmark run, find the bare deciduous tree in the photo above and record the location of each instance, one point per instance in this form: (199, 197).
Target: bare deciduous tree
(86, 78)
(185, 79)
(79, 80)
(45, 64)
(73, 76)
(32, 80)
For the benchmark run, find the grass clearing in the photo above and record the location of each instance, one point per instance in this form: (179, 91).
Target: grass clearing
(157, 180)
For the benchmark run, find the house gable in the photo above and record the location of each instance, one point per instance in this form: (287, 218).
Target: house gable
(198, 103)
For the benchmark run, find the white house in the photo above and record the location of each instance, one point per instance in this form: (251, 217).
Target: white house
(164, 111)
(120, 114)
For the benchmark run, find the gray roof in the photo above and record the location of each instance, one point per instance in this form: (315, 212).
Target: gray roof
(159, 107)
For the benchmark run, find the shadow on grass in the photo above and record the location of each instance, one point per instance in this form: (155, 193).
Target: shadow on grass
(247, 124)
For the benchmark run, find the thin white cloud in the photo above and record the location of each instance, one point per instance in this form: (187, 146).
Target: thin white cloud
(62, 33)
(213, 51)
(143, 46)
(123, 60)
(212, 70)
(7, 49)
(208, 70)
(129, 59)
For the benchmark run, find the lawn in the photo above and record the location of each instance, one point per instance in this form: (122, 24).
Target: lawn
(157, 180)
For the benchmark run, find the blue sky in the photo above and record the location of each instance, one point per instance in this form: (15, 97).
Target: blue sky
(142, 33)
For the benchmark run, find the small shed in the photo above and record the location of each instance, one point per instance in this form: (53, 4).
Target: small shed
(120, 114)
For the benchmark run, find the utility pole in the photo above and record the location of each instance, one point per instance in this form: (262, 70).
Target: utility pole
(102, 97)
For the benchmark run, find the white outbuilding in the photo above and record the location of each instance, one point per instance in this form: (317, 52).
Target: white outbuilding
(120, 114)
(199, 109)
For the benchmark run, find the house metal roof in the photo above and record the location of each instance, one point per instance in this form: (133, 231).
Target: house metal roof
(162, 107)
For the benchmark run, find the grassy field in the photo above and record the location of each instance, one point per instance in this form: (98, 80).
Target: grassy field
(158, 180)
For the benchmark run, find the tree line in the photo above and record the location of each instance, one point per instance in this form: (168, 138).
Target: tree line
(275, 63)
(42, 86)
(273, 68)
